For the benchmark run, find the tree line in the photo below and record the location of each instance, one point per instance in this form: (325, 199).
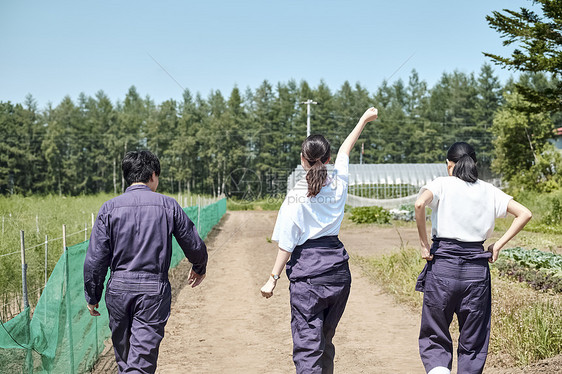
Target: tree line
(76, 146)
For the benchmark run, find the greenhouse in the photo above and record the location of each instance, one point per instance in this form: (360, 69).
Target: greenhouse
(386, 185)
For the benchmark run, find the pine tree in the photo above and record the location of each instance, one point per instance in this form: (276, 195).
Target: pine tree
(538, 39)
(488, 102)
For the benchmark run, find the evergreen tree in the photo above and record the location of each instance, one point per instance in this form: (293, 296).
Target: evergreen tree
(537, 38)
(99, 154)
(161, 129)
(450, 112)
(266, 133)
(62, 148)
(489, 99)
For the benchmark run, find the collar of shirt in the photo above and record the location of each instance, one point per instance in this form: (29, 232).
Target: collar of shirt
(135, 187)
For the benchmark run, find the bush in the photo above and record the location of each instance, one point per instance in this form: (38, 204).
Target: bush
(554, 216)
(370, 214)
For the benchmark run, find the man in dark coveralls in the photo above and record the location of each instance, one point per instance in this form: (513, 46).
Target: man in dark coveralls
(133, 237)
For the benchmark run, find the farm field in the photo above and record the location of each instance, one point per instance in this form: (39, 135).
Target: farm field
(42, 217)
(226, 326)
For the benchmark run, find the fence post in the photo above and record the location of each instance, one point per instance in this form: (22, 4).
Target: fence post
(23, 271)
(37, 222)
(199, 215)
(93, 220)
(46, 274)
(67, 299)
(85, 231)
(46, 258)
(28, 358)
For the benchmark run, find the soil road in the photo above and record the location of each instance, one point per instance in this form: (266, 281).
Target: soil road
(226, 326)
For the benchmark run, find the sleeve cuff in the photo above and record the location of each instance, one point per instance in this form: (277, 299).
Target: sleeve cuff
(504, 207)
(91, 300)
(200, 269)
(286, 248)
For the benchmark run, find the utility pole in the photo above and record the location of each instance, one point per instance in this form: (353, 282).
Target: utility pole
(362, 152)
(308, 102)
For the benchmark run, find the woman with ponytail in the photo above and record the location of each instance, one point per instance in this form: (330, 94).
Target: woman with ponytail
(456, 277)
(316, 261)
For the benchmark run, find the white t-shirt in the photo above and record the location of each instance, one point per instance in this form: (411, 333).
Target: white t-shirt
(465, 211)
(301, 218)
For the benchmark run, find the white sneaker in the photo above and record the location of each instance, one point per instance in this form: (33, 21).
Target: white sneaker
(439, 370)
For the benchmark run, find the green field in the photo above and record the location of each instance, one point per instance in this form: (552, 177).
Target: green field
(40, 216)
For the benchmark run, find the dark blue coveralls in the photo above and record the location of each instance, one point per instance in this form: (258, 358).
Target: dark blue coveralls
(457, 280)
(320, 283)
(133, 237)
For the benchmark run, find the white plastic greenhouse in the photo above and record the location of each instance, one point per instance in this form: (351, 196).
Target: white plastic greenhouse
(386, 185)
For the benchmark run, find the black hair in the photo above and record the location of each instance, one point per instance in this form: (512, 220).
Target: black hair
(464, 157)
(138, 166)
(316, 151)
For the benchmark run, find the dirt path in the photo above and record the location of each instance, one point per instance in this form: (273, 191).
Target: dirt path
(225, 326)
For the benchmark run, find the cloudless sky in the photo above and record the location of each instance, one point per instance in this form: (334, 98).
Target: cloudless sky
(56, 48)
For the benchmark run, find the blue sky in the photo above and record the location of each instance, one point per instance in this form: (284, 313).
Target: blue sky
(56, 48)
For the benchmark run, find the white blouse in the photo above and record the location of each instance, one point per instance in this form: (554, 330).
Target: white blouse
(301, 218)
(465, 211)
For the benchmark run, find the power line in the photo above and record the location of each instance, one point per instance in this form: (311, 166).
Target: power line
(166, 71)
(400, 67)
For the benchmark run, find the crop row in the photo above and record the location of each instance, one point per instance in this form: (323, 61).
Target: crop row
(533, 258)
(541, 270)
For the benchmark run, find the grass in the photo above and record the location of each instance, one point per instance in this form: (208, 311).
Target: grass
(526, 324)
(397, 273)
(270, 203)
(547, 212)
(39, 216)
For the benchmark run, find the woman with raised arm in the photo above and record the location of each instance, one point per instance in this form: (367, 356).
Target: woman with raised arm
(456, 277)
(307, 230)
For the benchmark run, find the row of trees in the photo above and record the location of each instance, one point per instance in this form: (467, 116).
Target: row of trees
(76, 147)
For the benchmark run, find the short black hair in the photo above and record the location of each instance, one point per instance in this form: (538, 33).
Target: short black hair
(138, 166)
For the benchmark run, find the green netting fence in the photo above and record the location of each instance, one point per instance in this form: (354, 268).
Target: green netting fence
(61, 336)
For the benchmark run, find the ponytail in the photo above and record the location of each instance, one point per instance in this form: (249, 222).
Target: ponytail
(315, 178)
(464, 157)
(316, 151)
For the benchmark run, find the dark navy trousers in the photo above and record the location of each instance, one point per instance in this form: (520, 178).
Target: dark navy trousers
(316, 309)
(319, 289)
(139, 306)
(458, 284)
